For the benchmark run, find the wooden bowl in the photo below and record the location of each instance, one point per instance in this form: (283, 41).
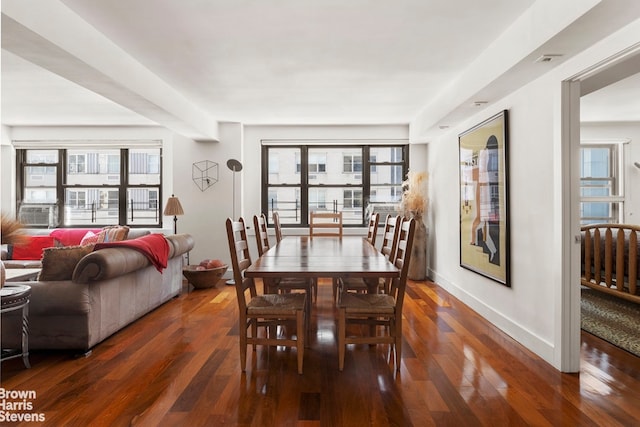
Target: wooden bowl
(206, 278)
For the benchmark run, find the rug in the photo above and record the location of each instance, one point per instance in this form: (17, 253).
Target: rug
(613, 319)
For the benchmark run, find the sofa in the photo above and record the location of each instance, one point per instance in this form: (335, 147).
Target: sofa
(108, 289)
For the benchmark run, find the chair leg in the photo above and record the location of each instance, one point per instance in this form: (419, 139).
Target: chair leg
(300, 341)
(334, 283)
(342, 337)
(307, 317)
(398, 341)
(243, 347)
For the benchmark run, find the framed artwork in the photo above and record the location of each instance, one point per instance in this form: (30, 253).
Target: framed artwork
(484, 214)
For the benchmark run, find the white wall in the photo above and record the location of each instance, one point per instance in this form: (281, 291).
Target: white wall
(205, 212)
(622, 131)
(7, 171)
(528, 310)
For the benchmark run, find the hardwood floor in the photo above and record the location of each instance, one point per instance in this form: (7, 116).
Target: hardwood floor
(179, 366)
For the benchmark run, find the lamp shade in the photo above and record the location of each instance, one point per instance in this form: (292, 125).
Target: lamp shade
(173, 207)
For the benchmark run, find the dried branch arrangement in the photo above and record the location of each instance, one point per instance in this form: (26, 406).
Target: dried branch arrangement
(11, 231)
(414, 199)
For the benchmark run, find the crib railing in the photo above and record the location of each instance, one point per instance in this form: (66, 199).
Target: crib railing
(610, 259)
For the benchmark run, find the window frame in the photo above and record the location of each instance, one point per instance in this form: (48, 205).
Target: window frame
(302, 168)
(122, 186)
(616, 178)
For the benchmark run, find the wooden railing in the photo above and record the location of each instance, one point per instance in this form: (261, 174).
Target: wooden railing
(610, 259)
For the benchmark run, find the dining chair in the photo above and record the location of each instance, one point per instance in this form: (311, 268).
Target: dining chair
(262, 235)
(389, 242)
(378, 309)
(372, 228)
(325, 224)
(277, 226)
(268, 311)
(283, 284)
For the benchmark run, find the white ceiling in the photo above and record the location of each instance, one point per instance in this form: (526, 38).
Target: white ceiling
(275, 62)
(618, 102)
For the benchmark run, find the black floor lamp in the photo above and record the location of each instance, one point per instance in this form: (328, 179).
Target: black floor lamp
(235, 166)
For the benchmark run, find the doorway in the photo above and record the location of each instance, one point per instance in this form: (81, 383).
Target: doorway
(602, 75)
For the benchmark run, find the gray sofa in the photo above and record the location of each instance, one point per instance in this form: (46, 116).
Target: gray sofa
(110, 288)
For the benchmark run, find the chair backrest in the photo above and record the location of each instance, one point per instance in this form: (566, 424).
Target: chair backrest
(372, 231)
(277, 226)
(401, 261)
(240, 260)
(262, 236)
(325, 224)
(390, 236)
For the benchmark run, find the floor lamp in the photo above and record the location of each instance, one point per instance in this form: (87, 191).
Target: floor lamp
(174, 208)
(235, 166)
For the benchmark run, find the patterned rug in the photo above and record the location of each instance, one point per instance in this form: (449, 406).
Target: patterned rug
(613, 319)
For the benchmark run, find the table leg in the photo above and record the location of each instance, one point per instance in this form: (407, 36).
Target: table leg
(25, 336)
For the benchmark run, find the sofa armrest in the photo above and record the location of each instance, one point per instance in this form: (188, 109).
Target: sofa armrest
(108, 263)
(180, 244)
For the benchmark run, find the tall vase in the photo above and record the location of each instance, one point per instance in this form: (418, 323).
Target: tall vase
(418, 262)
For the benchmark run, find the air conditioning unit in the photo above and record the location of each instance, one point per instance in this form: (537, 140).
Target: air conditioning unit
(43, 215)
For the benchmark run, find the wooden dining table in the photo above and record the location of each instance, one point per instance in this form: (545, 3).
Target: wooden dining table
(305, 257)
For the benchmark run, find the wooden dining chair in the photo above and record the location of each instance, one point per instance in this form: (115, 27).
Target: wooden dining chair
(378, 309)
(262, 235)
(325, 224)
(283, 284)
(277, 226)
(390, 237)
(389, 243)
(267, 311)
(372, 228)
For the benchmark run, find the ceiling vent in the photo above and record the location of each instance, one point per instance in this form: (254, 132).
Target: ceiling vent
(548, 57)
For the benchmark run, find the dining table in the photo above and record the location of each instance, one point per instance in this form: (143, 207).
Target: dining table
(332, 257)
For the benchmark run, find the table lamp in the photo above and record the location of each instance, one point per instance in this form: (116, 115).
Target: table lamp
(174, 208)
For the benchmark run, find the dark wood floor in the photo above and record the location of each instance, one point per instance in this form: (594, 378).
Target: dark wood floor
(179, 366)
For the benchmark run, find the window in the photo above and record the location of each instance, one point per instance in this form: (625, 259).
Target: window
(352, 199)
(76, 163)
(338, 177)
(317, 199)
(317, 163)
(87, 186)
(352, 163)
(601, 195)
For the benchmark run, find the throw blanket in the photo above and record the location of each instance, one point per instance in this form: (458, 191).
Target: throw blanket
(154, 246)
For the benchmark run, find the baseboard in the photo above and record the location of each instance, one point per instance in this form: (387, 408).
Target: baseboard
(528, 339)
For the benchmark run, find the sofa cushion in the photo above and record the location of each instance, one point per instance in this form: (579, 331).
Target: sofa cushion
(32, 250)
(115, 233)
(59, 263)
(71, 236)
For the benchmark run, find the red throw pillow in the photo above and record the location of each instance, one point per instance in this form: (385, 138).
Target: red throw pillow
(71, 236)
(33, 250)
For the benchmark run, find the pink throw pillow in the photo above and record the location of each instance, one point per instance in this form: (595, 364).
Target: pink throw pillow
(92, 238)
